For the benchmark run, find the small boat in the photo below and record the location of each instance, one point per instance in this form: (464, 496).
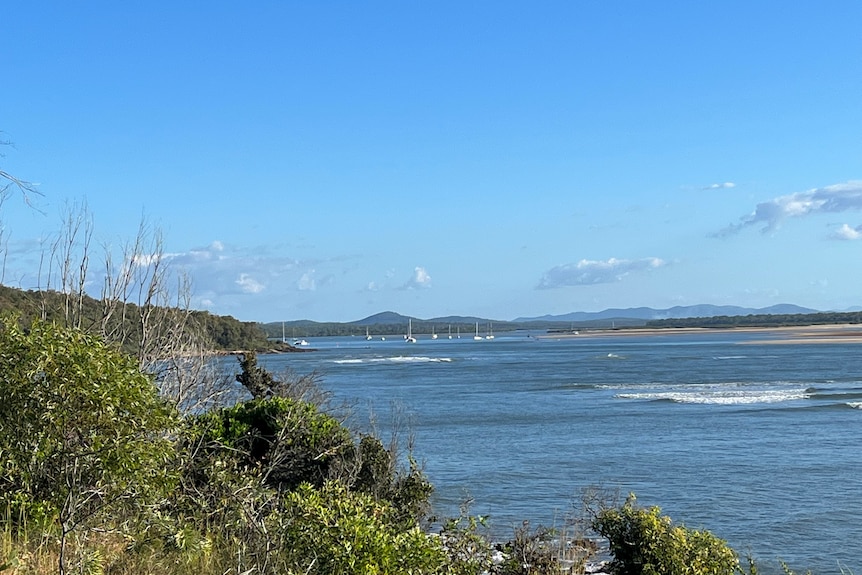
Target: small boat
(490, 333)
(433, 333)
(450, 331)
(367, 335)
(409, 337)
(299, 342)
(477, 337)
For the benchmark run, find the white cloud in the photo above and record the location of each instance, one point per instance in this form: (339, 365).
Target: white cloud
(845, 232)
(222, 272)
(306, 282)
(144, 260)
(724, 185)
(836, 198)
(590, 272)
(248, 284)
(420, 279)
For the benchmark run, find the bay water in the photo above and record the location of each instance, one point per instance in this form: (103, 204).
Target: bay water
(759, 443)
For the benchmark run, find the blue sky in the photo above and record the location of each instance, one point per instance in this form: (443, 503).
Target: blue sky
(331, 160)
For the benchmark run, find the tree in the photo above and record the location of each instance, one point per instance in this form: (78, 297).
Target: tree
(82, 429)
(257, 380)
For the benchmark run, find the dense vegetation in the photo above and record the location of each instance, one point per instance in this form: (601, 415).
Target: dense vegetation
(219, 333)
(93, 456)
(761, 320)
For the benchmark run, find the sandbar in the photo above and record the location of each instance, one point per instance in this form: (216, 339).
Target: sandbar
(801, 334)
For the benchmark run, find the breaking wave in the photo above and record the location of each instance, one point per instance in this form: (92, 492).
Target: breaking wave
(721, 397)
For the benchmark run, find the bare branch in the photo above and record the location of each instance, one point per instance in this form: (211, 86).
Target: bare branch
(10, 183)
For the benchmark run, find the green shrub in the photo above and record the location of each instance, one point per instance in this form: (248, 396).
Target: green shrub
(283, 441)
(253, 473)
(374, 471)
(334, 530)
(468, 551)
(83, 433)
(286, 442)
(81, 427)
(642, 541)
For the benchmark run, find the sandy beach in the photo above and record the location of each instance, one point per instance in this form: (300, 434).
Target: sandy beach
(822, 334)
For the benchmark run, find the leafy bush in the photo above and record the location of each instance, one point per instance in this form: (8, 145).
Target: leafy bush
(82, 430)
(468, 551)
(249, 469)
(80, 425)
(373, 470)
(287, 442)
(642, 541)
(334, 530)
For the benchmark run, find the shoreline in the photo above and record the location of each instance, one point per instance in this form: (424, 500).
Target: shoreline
(802, 334)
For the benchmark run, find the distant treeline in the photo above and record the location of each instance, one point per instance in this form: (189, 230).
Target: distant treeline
(222, 333)
(760, 320)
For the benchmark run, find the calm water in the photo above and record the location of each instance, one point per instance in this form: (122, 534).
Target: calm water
(760, 444)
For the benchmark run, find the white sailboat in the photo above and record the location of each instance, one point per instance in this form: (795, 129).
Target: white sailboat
(409, 337)
(296, 342)
(433, 333)
(367, 335)
(477, 337)
(450, 331)
(490, 332)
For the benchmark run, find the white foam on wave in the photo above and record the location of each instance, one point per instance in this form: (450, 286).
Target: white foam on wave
(726, 397)
(419, 359)
(855, 404)
(395, 359)
(688, 386)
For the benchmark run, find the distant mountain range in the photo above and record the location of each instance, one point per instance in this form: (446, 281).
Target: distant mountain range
(392, 318)
(632, 313)
(677, 312)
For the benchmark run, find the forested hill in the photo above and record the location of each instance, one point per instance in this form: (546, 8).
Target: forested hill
(221, 333)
